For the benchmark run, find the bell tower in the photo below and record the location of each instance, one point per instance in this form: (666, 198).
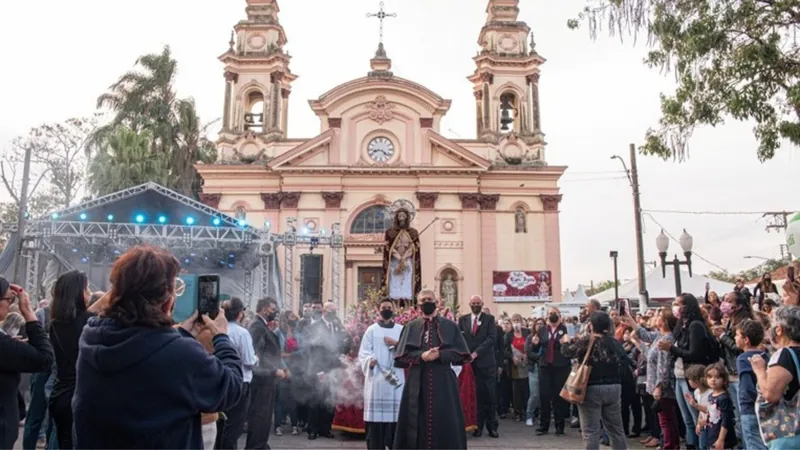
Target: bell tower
(506, 78)
(258, 81)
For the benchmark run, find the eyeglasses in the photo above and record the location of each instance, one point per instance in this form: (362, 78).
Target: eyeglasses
(180, 287)
(424, 300)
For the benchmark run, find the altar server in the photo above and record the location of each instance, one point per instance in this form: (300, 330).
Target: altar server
(382, 381)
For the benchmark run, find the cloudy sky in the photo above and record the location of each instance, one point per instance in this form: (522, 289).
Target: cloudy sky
(596, 98)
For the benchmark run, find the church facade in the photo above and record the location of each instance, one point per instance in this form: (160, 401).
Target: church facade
(484, 207)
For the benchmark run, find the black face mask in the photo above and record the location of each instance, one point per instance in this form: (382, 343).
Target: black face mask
(271, 316)
(476, 309)
(387, 314)
(553, 318)
(428, 308)
(316, 314)
(329, 316)
(292, 323)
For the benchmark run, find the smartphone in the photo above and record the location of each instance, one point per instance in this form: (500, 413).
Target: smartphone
(208, 295)
(16, 289)
(790, 272)
(624, 307)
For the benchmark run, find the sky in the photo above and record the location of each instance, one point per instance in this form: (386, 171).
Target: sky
(596, 98)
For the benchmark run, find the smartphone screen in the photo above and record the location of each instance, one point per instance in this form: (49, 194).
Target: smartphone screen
(208, 295)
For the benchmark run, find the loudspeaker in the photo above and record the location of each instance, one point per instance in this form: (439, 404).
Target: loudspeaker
(310, 278)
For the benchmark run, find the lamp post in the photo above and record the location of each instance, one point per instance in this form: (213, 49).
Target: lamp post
(613, 254)
(662, 243)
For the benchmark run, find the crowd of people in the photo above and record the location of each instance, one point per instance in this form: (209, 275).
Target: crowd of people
(113, 370)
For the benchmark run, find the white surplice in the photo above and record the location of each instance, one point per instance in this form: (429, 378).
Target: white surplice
(381, 399)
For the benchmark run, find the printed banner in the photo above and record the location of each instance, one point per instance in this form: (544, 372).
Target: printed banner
(522, 286)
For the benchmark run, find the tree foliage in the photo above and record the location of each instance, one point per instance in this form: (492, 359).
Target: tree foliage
(600, 287)
(126, 160)
(144, 102)
(768, 266)
(731, 58)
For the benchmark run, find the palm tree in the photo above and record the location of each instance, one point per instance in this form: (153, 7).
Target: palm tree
(125, 160)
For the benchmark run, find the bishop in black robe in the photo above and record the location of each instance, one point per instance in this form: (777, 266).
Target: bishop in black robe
(430, 411)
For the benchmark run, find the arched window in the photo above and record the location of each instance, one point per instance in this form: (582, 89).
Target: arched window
(375, 219)
(509, 110)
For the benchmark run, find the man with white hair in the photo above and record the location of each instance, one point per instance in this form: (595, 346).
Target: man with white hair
(480, 332)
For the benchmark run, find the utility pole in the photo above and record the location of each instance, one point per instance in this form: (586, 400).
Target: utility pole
(633, 177)
(22, 213)
(779, 221)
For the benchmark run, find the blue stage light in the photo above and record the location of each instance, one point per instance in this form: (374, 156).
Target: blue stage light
(74, 250)
(84, 216)
(216, 221)
(110, 217)
(139, 218)
(162, 219)
(187, 261)
(54, 216)
(266, 224)
(242, 223)
(305, 230)
(190, 221)
(84, 260)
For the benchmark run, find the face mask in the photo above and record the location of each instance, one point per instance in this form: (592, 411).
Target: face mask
(767, 280)
(476, 309)
(676, 311)
(316, 314)
(517, 326)
(330, 315)
(292, 323)
(428, 308)
(726, 308)
(553, 318)
(270, 317)
(387, 314)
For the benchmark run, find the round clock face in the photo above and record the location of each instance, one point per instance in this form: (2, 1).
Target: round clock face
(380, 149)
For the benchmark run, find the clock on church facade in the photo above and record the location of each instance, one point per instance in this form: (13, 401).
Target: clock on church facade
(486, 204)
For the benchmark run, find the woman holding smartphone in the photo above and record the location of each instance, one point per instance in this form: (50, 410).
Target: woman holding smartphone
(18, 357)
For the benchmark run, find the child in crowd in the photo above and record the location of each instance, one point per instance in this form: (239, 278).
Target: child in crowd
(696, 377)
(720, 431)
(749, 334)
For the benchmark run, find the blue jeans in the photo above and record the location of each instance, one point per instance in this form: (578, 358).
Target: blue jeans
(533, 397)
(37, 411)
(751, 433)
(688, 414)
(788, 443)
(733, 391)
(703, 439)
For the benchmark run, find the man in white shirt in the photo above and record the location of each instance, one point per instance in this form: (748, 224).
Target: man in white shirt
(243, 341)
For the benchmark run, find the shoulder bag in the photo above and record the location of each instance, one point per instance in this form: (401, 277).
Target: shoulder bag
(574, 390)
(782, 419)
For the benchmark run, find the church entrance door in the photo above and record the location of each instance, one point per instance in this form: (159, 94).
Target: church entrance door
(369, 279)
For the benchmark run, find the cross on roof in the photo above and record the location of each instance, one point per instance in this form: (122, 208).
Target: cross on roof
(381, 15)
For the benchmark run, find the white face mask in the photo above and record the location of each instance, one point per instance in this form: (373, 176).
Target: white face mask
(517, 326)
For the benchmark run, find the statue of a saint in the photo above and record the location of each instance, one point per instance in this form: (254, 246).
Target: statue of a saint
(401, 259)
(520, 222)
(449, 291)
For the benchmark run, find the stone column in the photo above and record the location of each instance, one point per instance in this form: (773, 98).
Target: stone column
(471, 251)
(552, 241)
(350, 283)
(285, 110)
(275, 100)
(488, 237)
(487, 79)
(425, 215)
(478, 111)
(534, 82)
(230, 79)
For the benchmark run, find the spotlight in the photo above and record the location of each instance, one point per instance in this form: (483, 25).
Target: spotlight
(162, 219)
(266, 224)
(242, 223)
(139, 218)
(110, 217)
(216, 221)
(322, 232)
(190, 221)
(84, 260)
(187, 261)
(74, 250)
(305, 230)
(84, 216)
(54, 215)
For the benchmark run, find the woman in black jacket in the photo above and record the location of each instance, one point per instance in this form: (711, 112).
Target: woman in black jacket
(694, 344)
(603, 399)
(17, 357)
(554, 370)
(68, 314)
(736, 307)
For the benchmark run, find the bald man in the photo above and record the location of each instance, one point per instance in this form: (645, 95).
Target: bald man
(480, 332)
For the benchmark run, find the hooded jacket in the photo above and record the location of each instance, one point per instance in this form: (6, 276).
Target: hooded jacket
(143, 387)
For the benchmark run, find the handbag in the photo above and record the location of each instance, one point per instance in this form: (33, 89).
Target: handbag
(782, 419)
(574, 390)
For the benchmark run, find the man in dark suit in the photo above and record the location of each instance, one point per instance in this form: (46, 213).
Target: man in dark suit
(480, 332)
(325, 340)
(265, 375)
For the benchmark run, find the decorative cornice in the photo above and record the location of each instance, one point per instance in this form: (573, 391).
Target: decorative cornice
(469, 201)
(427, 200)
(210, 200)
(275, 77)
(532, 78)
(487, 77)
(232, 76)
(290, 200)
(335, 122)
(426, 122)
(489, 201)
(333, 200)
(550, 202)
(272, 201)
(448, 244)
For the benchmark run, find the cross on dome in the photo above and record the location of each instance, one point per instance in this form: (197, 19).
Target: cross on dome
(381, 15)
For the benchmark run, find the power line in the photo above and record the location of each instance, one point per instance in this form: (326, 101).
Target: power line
(701, 213)
(678, 241)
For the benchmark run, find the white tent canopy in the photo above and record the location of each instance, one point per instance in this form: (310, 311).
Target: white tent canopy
(659, 287)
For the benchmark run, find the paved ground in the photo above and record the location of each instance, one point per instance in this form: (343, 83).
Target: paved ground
(513, 435)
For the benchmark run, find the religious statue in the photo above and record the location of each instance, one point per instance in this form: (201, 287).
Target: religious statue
(520, 222)
(544, 286)
(449, 291)
(401, 258)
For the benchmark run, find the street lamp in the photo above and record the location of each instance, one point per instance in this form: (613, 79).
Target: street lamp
(613, 254)
(662, 244)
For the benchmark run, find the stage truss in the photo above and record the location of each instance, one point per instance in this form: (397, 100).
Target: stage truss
(40, 236)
